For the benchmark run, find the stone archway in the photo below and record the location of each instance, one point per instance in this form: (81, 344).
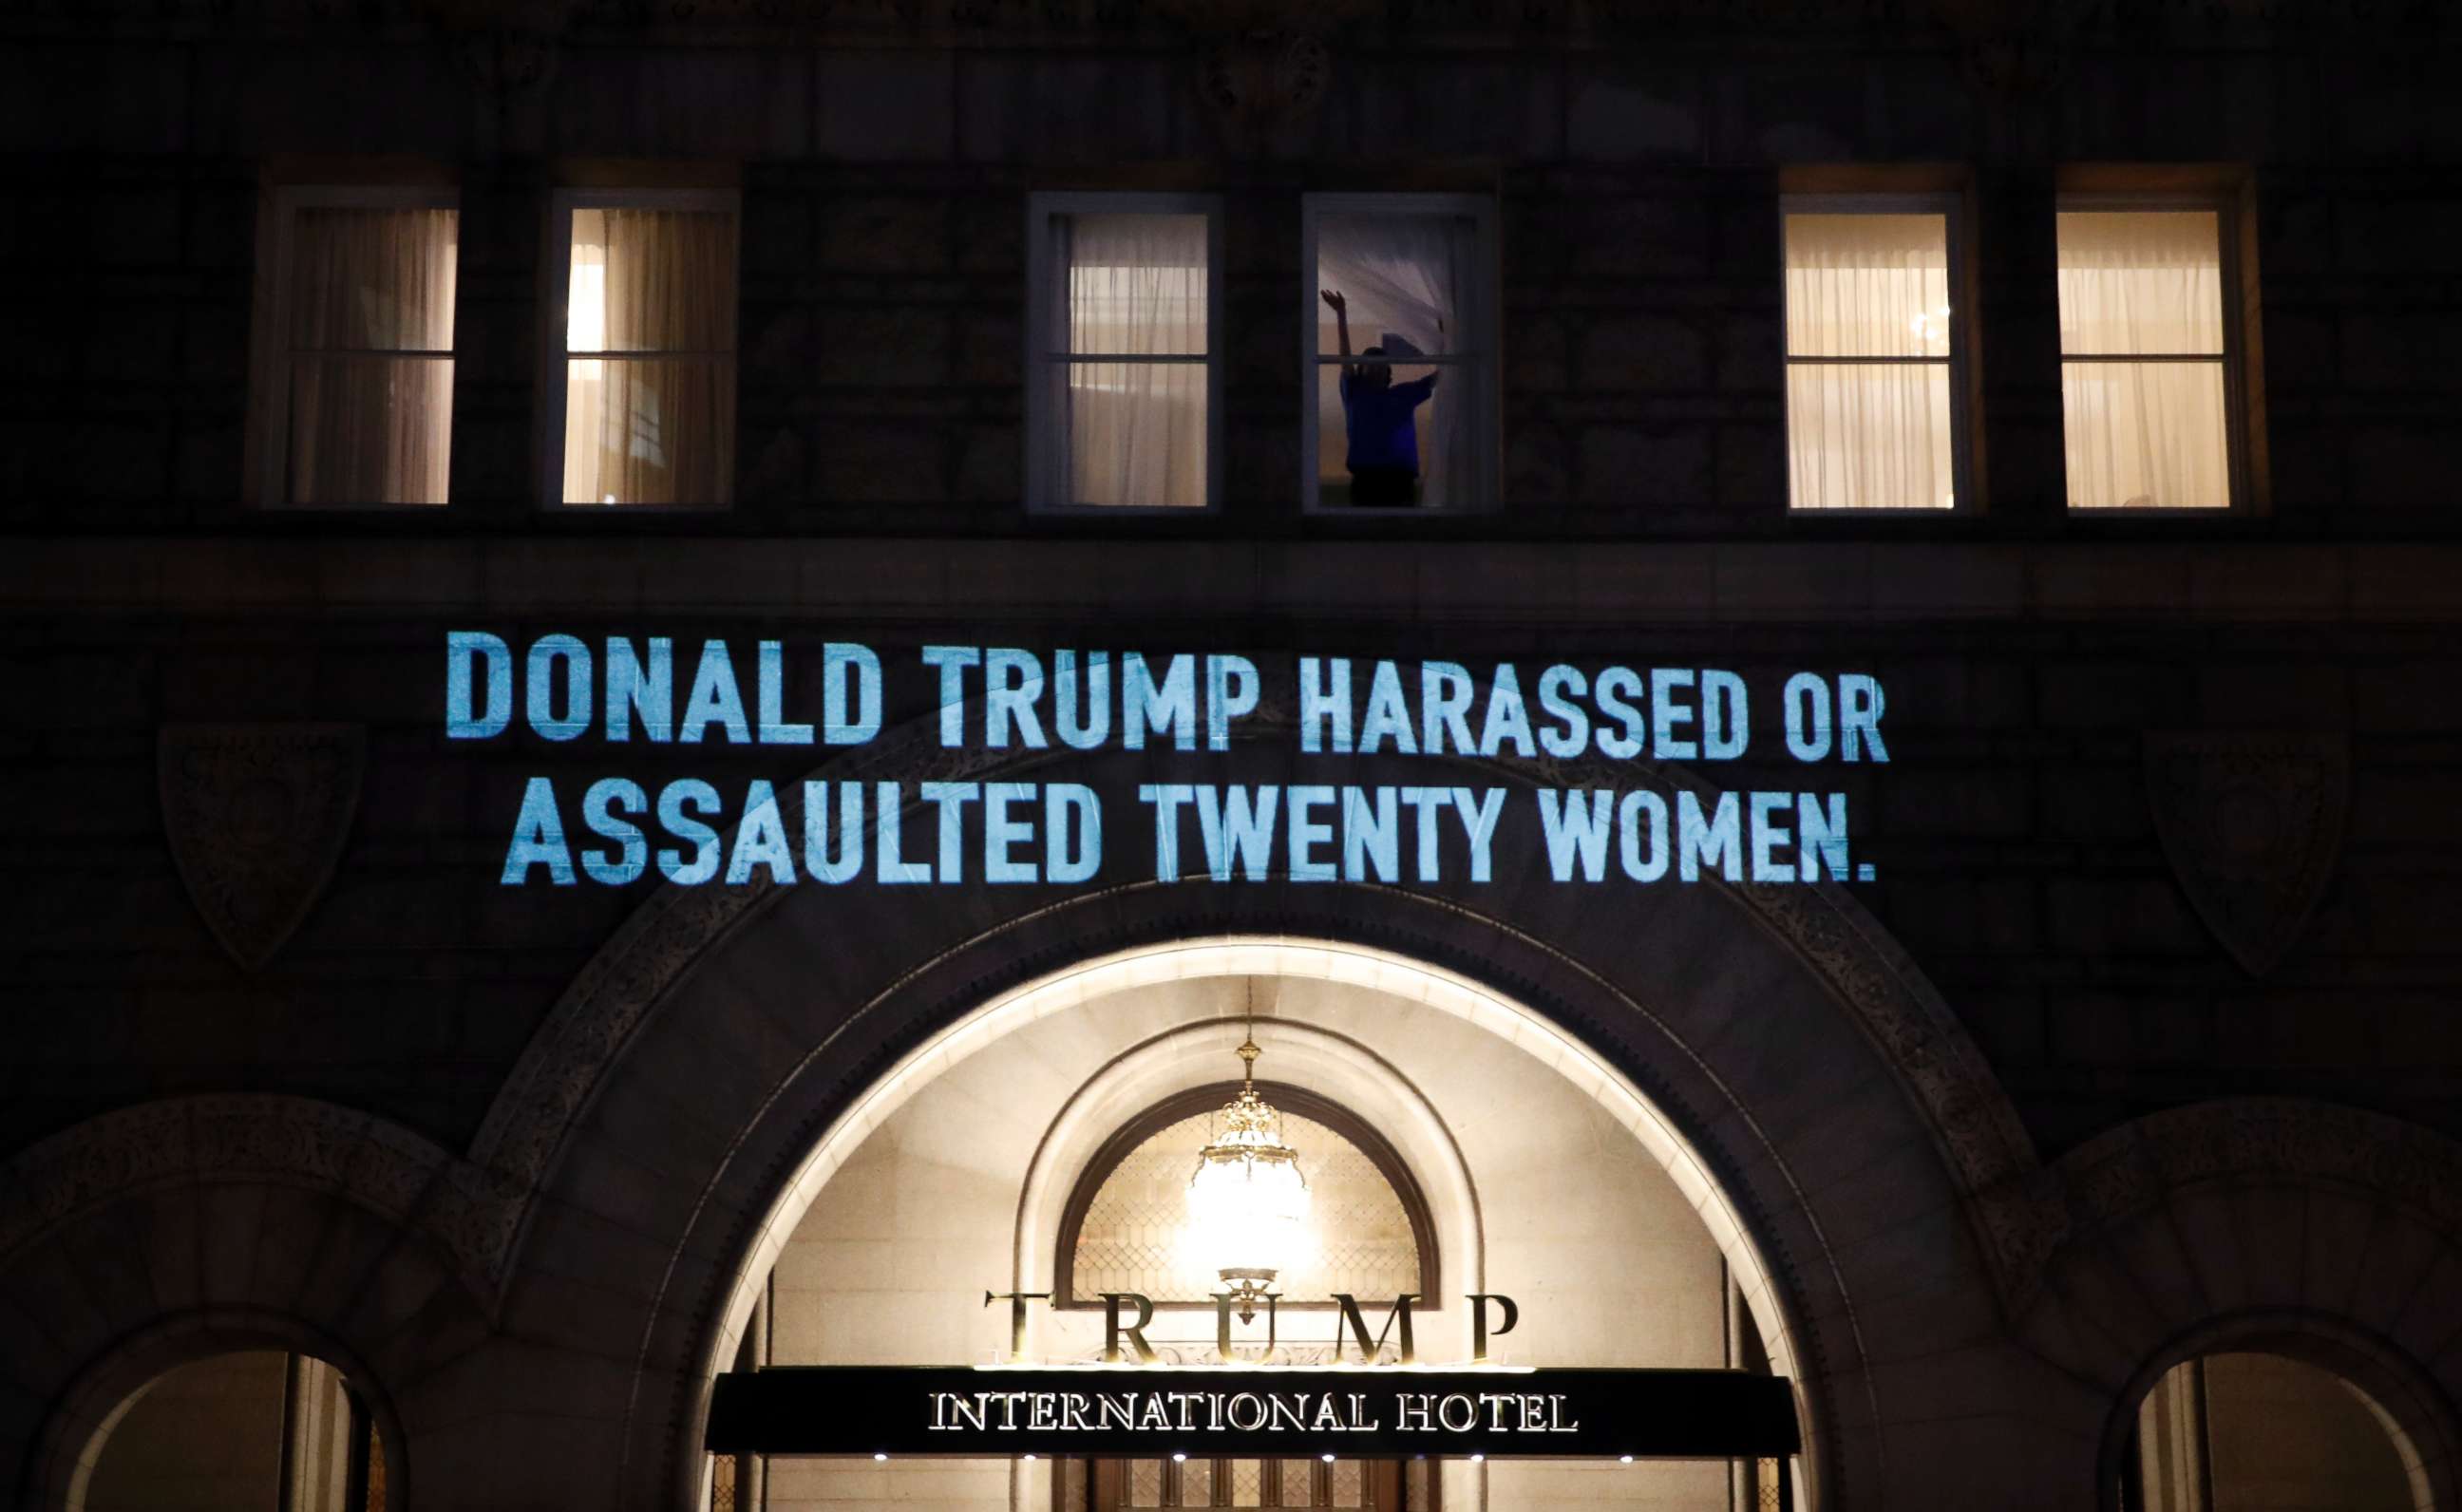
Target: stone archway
(2280, 1226)
(662, 1112)
(95, 1402)
(173, 1230)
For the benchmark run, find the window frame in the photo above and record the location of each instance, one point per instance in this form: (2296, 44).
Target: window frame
(1042, 206)
(555, 275)
(2238, 464)
(1965, 474)
(1487, 299)
(267, 464)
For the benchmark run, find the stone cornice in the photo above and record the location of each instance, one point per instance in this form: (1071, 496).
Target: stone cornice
(889, 581)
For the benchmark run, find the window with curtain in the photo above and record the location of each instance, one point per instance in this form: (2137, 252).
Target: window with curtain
(1398, 296)
(1123, 360)
(649, 352)
(2143, 359)
(363, 379)
(1872, 402)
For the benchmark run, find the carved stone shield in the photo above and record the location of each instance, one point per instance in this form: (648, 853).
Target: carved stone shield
(2252, 825)
(258, 815)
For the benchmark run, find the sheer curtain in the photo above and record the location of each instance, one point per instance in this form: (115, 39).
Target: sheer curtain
(649, 414)
(1403, 276)
(1868, 418)
(371, 355)
(2142, 398)
(1127, 385)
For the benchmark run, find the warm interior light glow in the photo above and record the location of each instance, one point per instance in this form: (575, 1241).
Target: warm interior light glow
(1247, 1202)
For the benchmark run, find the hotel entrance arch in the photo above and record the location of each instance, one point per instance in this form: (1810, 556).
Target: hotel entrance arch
(1605, 1224)
(1807, 1086)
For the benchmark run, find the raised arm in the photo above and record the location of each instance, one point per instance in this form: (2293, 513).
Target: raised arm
(1341, 307)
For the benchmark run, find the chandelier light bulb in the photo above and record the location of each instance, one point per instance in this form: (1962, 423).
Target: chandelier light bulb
(1247, 1202)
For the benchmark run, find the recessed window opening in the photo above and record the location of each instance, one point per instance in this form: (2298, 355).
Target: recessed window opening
(1873, 345)
(355, 394)
(1399, 300)
(253, 1428)
(2241, 1432)
(646, 395)
(2147, 370)
(1121, 364)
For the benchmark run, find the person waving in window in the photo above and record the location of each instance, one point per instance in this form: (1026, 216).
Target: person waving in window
(1382, 436)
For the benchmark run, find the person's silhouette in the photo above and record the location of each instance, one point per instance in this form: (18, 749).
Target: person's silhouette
(1381, 436)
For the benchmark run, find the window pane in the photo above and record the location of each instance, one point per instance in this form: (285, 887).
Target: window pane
(651, 280)
(1868, 436)
(373, 280)
(1403, 278)
(2140, 281)
(1137, 433)
(1197, 1483)
(1299, 1482)
(1247, 1482)
(648, 431)
(1134, 285)
(1347, 1483)
(1145, 1483)
(1868, 286)
(368, 429)
(2145, 435)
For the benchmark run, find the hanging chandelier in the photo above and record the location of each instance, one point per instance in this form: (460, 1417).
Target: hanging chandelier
(1247, 1202)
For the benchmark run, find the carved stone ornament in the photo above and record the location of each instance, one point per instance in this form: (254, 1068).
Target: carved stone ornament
(292, 1142)
(2125, 1171)
(256, 816)
(1264, 64)
(2252, 825)
(507, 47)
(2013, 49)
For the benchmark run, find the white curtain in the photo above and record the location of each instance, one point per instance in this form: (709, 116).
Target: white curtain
(651, 421)
(1127, 432)
(1404, 278)
(2137, 285)
(371, 420)
(1869, 434)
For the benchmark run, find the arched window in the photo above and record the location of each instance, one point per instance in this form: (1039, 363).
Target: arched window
(1367, 1226)
(257, 1428)
(2244, 1429)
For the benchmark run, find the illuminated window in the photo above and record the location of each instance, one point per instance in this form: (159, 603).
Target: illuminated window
(1873, 348)
(2244, 1429)
(2147, 375)
(646, 398)
(353, 402)
(1122, 367)
(1399, 294)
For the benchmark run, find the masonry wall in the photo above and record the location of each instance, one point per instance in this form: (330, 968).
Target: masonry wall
(2032, 660)
(884, 181)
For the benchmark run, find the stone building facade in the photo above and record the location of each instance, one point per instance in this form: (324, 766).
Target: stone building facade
(2137, 1048)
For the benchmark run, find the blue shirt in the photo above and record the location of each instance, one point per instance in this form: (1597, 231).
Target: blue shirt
(1377, 422)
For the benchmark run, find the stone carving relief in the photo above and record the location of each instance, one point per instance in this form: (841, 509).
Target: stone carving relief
(2136, 1167)
(2253, 826)
(503, 47)
(2016, 48)
(256, 816)
(1262, 65)
(295, 1141)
